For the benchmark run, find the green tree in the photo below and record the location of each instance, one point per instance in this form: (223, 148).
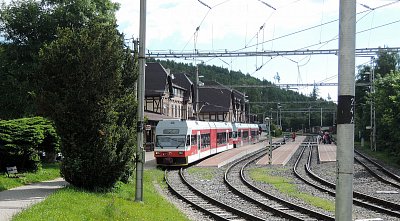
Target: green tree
(386, 62)
(387, 103)
(87, 89)
(25, 25)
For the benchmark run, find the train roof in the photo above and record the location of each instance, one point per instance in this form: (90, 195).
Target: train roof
(203, 124)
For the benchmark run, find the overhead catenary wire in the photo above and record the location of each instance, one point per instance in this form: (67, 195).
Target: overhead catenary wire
(316, 26)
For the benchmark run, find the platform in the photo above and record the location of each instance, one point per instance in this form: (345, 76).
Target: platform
(326, 153)
(228, 156)
(282, 154)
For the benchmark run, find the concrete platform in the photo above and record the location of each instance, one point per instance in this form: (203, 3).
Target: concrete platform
(282, 154)
(327, 153)
(228, 156)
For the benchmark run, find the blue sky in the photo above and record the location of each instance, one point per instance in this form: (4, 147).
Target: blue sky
(237, 24)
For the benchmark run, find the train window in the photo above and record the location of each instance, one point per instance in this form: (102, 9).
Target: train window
(205, 140)
(234, 134)
(171, 141)
(230, 134)
(245, 134)
(253, 133)
(221, 138)
(188, 140)
(194, 140)
(240, 134)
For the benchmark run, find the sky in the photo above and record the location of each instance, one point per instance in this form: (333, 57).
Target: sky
(267, 25)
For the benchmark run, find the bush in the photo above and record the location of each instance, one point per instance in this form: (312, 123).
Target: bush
(87, 84)
(21, 140)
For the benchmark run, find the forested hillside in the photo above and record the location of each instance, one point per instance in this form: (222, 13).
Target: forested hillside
(264, 100)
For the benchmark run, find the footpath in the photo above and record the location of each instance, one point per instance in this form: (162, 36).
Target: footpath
(15, 200)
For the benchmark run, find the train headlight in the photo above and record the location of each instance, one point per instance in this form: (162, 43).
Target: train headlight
(180, 152)
(157, 153)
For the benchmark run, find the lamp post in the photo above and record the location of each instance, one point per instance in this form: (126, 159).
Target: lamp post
(269, 120)
(280, 115)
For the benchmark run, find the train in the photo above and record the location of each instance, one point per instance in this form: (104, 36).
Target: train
(182, 142)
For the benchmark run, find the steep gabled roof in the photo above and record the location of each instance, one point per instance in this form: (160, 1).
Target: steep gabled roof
(183, 81)
(156, 79)
(215, 99)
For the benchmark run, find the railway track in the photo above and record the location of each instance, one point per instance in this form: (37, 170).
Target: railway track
(377, 170)
(216, 209)
(237, 182)
(361, 199)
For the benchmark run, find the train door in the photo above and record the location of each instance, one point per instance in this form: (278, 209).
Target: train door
(198, 145)
(227, 139)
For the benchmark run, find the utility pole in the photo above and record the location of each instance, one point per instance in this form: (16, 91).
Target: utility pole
(372, 117)
(345, 109)
(309, 118)
(136, 54)
(197, 92)
(141, 90)
(280, 117)
(270, 138)
(321, 116)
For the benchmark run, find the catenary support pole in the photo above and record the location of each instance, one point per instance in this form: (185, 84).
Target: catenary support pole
(141, 89)
(345, 121)
(270, 138)
(197, 93)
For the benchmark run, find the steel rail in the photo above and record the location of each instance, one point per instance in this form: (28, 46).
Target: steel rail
(285, 208)
(210, 206)
(361, 199)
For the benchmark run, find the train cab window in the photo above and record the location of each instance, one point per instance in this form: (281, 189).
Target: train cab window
(171, 142)
(240, 134)
(230, 134)
(253, 133)
(245, 134)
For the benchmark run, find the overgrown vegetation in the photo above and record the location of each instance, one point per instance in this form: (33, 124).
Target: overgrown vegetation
(385, 97)
(49, 171)
(21, 140)
(287, 186)
(77, 204)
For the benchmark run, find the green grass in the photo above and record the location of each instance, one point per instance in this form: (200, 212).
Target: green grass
(75, 204)
(205, 173)
(48, 172)
(286, 186)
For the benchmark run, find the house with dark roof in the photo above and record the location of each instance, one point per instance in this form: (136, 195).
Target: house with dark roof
(167, 96)
(220, 103)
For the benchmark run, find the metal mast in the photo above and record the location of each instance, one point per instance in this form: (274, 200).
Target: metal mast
(141, 86)
(345, 120)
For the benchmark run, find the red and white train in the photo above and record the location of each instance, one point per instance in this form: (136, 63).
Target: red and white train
(180, 142)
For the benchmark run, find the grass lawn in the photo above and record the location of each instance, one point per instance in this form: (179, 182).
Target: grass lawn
(48, 172)
(286, 186)
(75, 204)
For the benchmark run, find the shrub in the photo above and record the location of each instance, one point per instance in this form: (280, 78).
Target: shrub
(21, 140)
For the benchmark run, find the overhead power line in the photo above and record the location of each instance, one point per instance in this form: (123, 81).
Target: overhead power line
(207, 54)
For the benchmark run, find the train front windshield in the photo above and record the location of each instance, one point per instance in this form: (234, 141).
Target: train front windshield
(171, 142)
